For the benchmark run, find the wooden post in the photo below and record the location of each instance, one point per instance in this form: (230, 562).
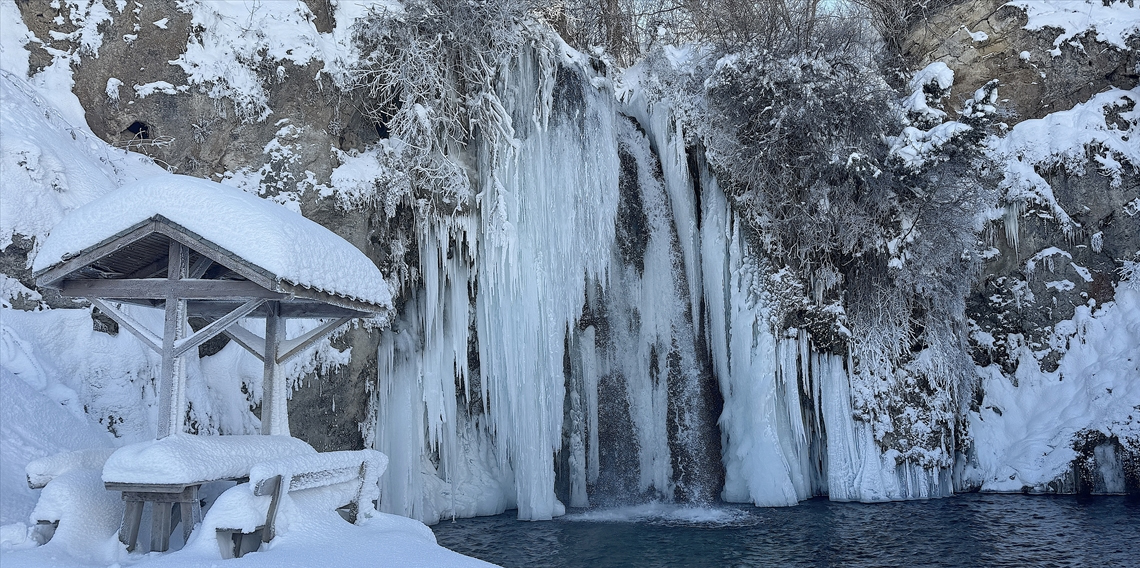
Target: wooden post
(171, 387)
(274, 403)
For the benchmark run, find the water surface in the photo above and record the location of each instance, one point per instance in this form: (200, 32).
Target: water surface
(965, 530)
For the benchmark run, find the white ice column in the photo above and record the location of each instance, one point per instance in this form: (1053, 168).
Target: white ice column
(744, 356)
(547, 209)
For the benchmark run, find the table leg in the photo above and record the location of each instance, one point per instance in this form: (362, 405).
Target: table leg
(191, 512)
(129, 530)
(160, 528)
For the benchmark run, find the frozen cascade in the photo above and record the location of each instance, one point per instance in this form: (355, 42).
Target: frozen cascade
(547, 214)
(788, 429)
(758, 468)
(577, 334)
(653, 373)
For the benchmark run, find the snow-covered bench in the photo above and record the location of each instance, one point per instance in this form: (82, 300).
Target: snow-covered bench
(171, 470)
(40, 472)
(347, 480)
(43, 471)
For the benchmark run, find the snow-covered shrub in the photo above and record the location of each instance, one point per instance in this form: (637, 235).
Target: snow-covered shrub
(427, 77)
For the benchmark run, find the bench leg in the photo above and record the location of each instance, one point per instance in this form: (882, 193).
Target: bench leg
(160, 528)
(129, 530)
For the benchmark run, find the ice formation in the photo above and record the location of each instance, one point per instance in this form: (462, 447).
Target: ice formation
(608, 306)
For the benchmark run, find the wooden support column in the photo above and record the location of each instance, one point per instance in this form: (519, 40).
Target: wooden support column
(172, 383)
(274, 403)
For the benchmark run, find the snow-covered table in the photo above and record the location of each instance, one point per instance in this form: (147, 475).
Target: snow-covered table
(171, 470)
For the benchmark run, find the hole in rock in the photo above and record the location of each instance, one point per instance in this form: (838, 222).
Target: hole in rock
(141, 130)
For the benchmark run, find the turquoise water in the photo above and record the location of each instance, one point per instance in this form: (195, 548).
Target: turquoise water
(965, 530)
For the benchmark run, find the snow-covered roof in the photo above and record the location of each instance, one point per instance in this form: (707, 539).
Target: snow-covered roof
(291, 248)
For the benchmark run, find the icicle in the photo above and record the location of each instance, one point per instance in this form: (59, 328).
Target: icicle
(1011, 219)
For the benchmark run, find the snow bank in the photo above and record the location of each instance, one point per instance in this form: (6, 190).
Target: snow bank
(293, 248)
(50, 166)
(1024, 430)
(33, 426)
(185, 458)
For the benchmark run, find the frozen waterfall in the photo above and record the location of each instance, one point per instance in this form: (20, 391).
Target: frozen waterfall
(599, 331)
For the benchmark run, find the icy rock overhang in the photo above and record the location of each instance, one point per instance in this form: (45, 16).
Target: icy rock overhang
(286, 252)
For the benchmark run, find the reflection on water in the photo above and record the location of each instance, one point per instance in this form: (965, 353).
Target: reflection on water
(665, 514)
(965, 530)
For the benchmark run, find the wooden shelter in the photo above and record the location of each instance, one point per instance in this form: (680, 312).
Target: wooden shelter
(161, 263)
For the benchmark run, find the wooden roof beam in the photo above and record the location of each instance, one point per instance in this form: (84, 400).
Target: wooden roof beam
(217, 326)
(162, 288)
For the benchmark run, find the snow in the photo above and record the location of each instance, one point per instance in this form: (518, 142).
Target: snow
(240, 36)
(937, 74)
(915, 146)
(149, 89)
(186, 458)
(1060, 139)
(51, 166)
(978, 36)
(337, 467)
(292, 248)
(112, 89)
(45, 469)
(1023, 432)
(89, 516)
(33, 427)
(1112, 20)
(14, 35)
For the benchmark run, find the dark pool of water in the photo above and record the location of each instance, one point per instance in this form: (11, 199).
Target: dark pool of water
(965, 530)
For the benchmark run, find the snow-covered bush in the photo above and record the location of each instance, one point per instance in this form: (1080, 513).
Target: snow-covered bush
(427, 77)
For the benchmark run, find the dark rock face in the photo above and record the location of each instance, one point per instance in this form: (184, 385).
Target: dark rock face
(1031, 87)
(1012, 299)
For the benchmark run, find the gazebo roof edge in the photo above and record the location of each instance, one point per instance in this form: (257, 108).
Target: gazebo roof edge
(54, 274)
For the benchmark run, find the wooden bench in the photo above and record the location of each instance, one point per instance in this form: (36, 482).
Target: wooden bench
(169, 472)
(356, 471)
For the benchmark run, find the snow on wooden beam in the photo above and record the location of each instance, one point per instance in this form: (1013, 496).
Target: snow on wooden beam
(293, 347)
(248, 340)
(171, 386)
(275, 394)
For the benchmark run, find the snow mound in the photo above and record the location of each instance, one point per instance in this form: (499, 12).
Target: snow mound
(293, 248)
(1025, 428)
(185, 458)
